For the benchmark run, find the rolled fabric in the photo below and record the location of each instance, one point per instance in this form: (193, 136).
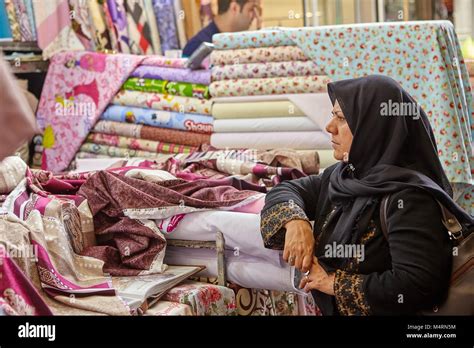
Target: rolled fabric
(315, 140)
(138, 144)
(23, 20)
(119, 20)
(256, 110)
(281, 124)
(258, 55)
(145, 85)
(165, 102)
(265, 70)
(185, 89)
(276, 85)
(152, 133)
(13, 20)
(157, 118)
(164, 12)
(252, 39)
(113, 151)
(177, 63)
(171, 74)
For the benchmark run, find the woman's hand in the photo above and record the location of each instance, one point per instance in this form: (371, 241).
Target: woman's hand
(318, 279)
(299, 244)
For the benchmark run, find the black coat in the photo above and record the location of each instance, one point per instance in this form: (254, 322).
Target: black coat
(403, 275)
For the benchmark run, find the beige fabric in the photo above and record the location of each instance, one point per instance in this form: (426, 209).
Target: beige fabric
(12, 172)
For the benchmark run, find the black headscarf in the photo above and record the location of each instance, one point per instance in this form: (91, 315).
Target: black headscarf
(388, 154)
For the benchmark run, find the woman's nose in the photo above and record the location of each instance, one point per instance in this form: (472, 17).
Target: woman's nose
(330, 127)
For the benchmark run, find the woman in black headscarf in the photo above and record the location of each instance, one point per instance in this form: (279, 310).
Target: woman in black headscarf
(386, 147)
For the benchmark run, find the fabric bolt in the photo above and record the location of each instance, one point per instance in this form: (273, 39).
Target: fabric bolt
(165, 17)
(16, 116)
(153, 24)
(114, 40)
(119, 19)
(245, 110)
(280, 124)
(54, 28)
(80, 21)
(185, 89)
(271, 140)
(91, 150)
(265, 70)
(91, 80)
(177, 63)
(13, 20)
(137, 19)
(152, 133)
(23, 20)
(170, 74)
(204, 299)
(258, 55)
(100, 33)
(165, 102)
(167, 308)
(165, 87)
(252, 39)
(276, 85)
(5, 30)
(159, 118)
(31, 17)
(180, 21)
(138, 144)
(145, 85)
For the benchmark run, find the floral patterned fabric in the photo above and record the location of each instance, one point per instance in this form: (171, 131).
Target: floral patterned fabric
(165, 102)
(138, 144)
(92, 150)
(252, 39)
(167, 308)
(152, 133)
(265, 70)
(204, 299)
(258, 55)
(276, 85)
(78, 87)
(177, 63)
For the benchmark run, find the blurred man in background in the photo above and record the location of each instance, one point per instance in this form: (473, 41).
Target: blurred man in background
(233, 15)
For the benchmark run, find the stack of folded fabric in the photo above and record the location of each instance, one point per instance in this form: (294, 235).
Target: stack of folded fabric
(163, 108)
(257, 86)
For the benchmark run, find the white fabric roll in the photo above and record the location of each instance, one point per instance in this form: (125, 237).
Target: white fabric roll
(273, 124)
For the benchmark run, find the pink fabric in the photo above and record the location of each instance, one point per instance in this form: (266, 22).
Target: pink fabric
(18, 296)
(78, 87)
(50, 28)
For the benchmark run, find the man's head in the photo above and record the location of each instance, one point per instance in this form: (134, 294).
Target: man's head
(240, 13)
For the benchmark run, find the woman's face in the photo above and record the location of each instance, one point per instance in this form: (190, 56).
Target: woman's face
(341, 135)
